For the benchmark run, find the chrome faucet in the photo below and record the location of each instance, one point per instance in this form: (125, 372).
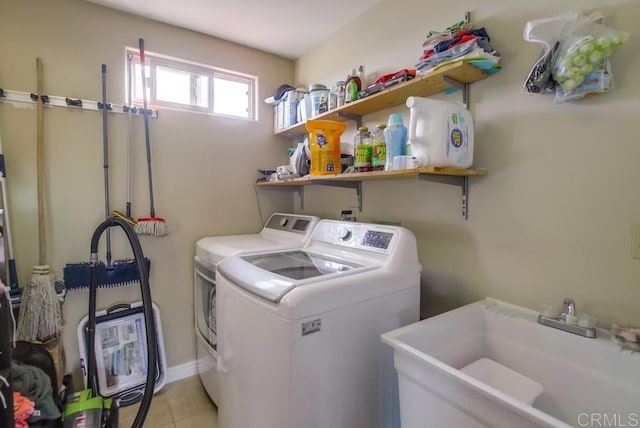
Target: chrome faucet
(561, 323)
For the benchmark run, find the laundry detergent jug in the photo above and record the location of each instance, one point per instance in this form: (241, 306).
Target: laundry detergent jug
(440, 133)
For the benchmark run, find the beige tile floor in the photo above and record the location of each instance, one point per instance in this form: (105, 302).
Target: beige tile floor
(180, 404)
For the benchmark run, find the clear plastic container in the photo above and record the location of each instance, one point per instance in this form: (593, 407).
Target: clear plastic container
(319, 101)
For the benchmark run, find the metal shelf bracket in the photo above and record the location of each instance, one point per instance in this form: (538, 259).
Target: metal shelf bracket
(357, 185)
(462, 182)
(299, 189)
(464, 87)
(355, 117)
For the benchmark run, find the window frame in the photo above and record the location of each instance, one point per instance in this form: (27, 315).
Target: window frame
(154, 60)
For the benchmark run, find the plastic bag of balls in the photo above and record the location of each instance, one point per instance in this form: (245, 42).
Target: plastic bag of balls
(584, 46)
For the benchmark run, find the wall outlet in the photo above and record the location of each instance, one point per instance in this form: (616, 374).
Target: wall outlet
(635, 239)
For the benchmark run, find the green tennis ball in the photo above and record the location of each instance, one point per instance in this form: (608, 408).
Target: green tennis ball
(603, 43)
(586, 69)
(617, 40)
(574, 73)
(595, 57)
(586, 48)
(579, 60)
(569, 85)
(565, 64)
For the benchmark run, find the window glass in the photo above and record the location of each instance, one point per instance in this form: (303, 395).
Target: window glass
(178, 84)
(173, 86)
(230, 97)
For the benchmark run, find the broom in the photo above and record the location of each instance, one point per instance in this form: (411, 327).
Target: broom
(152, 225)
(39, 318)
(127, 213)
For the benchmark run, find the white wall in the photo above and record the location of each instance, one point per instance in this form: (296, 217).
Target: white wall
(204, 166)
(554, 216)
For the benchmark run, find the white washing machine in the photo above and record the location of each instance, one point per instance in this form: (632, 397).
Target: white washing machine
(299, 340)
(282, 231)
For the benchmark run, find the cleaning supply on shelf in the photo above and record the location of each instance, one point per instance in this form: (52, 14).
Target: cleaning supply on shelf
(333, 98)
(362, 148)
(378, 148)
(324, 142)
(361, 76)
(440, 133)
(352, 87)
(319, 99)
(340, 92)
(396, 139)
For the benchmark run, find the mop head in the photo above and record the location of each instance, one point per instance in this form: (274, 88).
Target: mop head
(153, 226)
(121, 272)
(39, 318)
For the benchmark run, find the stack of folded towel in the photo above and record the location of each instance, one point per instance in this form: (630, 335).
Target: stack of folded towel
(459, 42)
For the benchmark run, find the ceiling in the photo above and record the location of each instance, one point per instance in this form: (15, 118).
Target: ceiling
(288, 28)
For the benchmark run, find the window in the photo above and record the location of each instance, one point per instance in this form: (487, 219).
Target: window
(178, 84)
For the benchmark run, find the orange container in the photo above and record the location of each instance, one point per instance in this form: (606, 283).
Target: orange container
(324, 142)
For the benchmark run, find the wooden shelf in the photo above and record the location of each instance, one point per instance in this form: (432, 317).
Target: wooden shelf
(454, 176)
(374, 176)
(421, 86)
(457, 75)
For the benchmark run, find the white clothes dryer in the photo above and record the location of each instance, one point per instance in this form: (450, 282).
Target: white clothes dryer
(299, 339)
(281, 231)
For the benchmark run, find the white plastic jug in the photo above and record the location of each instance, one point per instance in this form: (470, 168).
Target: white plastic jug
(440, 133)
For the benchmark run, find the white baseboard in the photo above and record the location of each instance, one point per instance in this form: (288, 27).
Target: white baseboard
(181, 371)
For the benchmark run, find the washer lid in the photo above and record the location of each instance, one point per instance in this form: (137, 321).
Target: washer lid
(214, 248)
(272, 275)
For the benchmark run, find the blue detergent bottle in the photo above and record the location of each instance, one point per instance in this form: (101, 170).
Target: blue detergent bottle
(396, 137)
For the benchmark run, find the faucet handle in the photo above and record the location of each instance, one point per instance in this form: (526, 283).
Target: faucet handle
(568, 307)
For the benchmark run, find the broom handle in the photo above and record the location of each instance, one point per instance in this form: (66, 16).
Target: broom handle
(105, 163)
(129, 131)
(152, 209)
(40, 164)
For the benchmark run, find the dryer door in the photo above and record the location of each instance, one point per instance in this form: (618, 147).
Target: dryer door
(205, 303)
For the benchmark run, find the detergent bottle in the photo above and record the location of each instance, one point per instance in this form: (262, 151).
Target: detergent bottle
(396, 139)
(440, 133)
(324, 143)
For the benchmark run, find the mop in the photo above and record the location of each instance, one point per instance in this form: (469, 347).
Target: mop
(120, 272)
(152, 225)
(39, 318)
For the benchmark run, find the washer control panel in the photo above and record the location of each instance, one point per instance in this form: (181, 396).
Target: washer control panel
(370, 237)
(289, 223)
